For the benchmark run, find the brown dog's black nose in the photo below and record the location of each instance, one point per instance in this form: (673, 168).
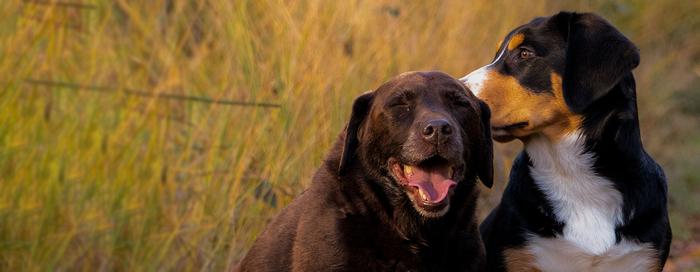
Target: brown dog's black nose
(437, 130)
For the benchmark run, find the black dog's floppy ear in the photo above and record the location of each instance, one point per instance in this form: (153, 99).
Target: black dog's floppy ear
(485, 155)
(597, 57)
(360, 109)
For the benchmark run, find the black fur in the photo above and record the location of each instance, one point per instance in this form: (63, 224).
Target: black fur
(597, 57)
(596, 62)
(485, 163)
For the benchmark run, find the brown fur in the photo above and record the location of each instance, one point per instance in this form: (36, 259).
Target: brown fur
(544, 112)
(515, 41)
(357, 217)
(519, 260)
(558, 255)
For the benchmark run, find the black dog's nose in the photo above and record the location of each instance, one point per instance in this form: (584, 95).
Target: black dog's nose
(437, 130)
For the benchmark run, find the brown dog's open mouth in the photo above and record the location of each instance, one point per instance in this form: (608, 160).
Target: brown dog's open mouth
(429, 181)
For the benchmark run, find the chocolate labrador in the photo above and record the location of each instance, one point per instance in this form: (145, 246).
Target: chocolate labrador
(397, 191)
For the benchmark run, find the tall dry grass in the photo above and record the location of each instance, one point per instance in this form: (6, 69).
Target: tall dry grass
(97, 178)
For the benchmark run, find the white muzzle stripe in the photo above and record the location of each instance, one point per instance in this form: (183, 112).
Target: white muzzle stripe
(475, 80)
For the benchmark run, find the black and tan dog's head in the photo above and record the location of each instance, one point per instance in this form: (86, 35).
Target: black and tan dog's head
(422, 134)
(548, 73)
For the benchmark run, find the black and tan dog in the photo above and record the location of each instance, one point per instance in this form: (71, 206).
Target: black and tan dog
(583, 195)
(397, 192)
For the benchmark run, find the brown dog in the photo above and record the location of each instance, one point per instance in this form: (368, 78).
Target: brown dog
(397, 192)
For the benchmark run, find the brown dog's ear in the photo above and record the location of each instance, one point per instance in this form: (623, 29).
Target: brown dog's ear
(597, 57)
(360, 109)
(485, 154)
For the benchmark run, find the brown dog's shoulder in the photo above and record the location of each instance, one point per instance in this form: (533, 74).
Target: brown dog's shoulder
(298, 236)
(276, 240)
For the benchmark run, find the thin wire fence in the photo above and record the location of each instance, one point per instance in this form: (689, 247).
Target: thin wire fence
(142, 93)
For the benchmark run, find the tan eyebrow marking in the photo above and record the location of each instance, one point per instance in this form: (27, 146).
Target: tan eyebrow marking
(515, 41)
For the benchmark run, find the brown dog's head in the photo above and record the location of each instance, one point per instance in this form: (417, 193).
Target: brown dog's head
(548, 73)
(421, 134)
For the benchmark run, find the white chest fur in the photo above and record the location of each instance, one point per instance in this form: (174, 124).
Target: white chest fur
(587, 203)
(589, 207)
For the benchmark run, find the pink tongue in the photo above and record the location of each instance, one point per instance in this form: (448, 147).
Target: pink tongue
(434, 182)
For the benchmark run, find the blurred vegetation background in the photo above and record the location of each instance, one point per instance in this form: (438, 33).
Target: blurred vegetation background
(106, 164)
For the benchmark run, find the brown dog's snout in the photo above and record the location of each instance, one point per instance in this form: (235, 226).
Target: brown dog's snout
(437, 131)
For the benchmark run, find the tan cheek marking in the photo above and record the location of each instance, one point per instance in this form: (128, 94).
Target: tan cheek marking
(510, 102)
(519, 260)
(557, 88)
(570, 121)
(516, 41)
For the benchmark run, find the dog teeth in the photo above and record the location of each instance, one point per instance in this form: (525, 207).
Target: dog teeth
(451, 172)
(423, 195)
(408, 170)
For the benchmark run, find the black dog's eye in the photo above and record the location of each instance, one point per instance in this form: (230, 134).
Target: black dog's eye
(526, 53)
